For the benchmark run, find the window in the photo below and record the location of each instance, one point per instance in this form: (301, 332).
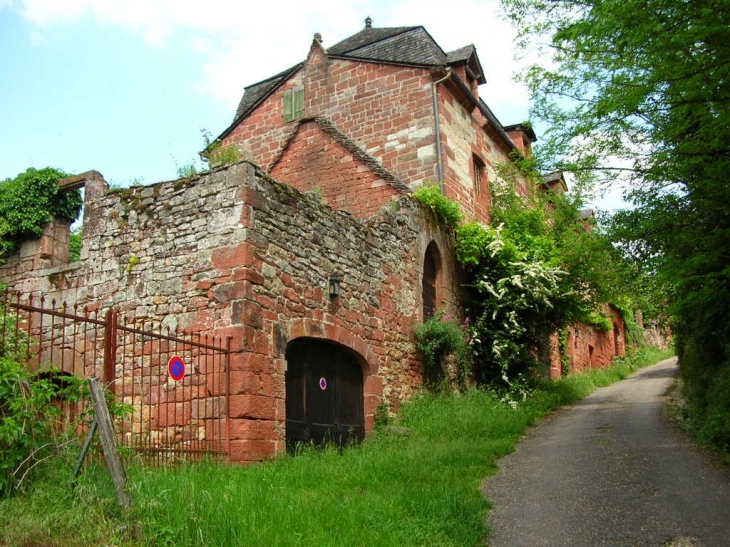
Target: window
(479, 174)
(431, 280)
(293, 104)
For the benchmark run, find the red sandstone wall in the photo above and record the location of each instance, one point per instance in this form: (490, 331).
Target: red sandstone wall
(235, 254)
(590, 348)
(313, 161)
(384, 109)
(388, 112)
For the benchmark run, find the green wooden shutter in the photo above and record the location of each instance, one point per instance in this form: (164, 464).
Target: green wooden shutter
(293, 104)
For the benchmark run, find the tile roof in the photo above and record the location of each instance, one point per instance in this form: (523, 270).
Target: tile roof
(401, 45)
(255, 93)
(461, 54)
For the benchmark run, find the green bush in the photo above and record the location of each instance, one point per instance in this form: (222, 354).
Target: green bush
(446, 211)
(437, 338)
(30, 431)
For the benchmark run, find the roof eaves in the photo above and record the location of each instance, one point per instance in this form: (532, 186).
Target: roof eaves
(283, 76)
(523, 127)
(485, 110)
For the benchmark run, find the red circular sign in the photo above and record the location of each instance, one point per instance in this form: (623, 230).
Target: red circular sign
(176, 368)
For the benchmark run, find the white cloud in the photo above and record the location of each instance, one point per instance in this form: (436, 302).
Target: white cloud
(245, 44)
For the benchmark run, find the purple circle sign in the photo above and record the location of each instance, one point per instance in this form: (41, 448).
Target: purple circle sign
(176, 368)
(323, 383)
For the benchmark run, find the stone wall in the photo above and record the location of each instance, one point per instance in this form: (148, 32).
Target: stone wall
(590, 348)
(234, 253)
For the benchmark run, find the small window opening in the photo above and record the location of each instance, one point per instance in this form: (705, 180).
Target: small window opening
(479, 174)
(431, 280)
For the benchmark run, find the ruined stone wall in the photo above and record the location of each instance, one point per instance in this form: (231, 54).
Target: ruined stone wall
(234, 253)
(591, 348)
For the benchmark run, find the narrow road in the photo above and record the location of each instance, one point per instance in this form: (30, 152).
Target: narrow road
(610, 471)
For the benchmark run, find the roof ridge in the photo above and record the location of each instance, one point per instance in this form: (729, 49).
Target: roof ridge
(378, 35)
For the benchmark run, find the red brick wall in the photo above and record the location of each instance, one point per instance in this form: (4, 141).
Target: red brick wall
(313, 161)
(591, 348)
(386, 110)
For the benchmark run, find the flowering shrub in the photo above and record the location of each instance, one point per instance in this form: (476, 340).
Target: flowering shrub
(514, 300)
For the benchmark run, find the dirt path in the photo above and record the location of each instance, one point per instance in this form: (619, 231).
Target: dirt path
(610, 471)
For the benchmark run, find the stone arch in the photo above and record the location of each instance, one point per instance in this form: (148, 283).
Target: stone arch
(432, 280)
(324, 393)
(311, 328)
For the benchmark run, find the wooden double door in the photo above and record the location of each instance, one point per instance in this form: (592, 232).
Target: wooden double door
(324, 394)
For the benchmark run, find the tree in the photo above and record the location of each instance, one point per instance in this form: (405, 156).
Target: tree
(639, 92)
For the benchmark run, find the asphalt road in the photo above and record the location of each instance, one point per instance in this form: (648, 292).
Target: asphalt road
(610, 470)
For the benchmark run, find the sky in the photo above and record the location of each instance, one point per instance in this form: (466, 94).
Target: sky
(125, 87)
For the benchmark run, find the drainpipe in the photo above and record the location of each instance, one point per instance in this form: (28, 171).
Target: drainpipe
(439, 159)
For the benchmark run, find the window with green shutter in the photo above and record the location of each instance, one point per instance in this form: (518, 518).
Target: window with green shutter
(293, 104)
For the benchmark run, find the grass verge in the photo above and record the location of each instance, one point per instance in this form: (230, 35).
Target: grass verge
(420, 488)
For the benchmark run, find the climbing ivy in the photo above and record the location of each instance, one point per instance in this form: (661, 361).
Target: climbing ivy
(29, 201)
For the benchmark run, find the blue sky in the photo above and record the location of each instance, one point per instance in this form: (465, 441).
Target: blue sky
(126, 86)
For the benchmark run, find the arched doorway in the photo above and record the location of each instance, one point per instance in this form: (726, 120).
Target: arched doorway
(324, 394)
(431, 280)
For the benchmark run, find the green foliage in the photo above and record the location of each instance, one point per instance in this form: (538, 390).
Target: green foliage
(598, 321)
(74, 245)
(635, 92)
(216, 154)
(514, 300)
(29, 202)
(438, 338)
(381, 419)
(446, 211)
(28, 430)
(187, 170)
(537, 272)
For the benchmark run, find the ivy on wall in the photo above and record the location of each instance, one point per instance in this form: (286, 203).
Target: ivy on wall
(30, 201)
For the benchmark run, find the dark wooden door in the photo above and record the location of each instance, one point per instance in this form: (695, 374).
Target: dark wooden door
(324, 394)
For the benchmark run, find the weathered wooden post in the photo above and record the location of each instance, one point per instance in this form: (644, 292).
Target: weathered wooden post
(109, 442)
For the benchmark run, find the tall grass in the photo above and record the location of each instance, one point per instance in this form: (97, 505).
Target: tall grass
(395, 489)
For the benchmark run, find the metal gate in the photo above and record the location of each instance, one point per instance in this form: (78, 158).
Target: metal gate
(175, 386)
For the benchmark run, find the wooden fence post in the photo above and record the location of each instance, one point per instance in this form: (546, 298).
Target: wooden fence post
(109, 442)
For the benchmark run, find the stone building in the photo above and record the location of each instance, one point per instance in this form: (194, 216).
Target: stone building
(309, 254)
(375, 115)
